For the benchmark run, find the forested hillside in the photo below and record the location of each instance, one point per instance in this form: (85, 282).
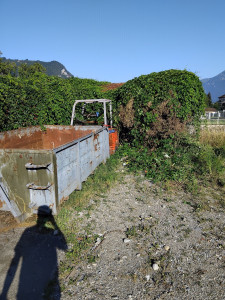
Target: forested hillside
(215, 86)
(53, 68)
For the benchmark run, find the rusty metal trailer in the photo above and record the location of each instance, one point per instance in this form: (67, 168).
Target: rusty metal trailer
(43, 167)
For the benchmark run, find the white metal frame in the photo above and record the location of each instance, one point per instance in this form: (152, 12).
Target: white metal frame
(104, 101)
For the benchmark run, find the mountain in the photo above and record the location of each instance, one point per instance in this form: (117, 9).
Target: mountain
(215, 85)
(53, 68)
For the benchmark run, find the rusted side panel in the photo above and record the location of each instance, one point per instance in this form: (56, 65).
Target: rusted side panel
(35, 138)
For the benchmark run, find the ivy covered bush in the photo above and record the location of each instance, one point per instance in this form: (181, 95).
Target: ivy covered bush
(153, 112)
(157, 106)
(34, 98)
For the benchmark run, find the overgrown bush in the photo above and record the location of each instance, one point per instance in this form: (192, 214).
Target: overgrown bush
(153, 113)
(182, 160)
(155, 106)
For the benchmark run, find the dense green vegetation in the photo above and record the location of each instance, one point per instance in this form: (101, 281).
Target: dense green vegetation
(34, 98)
(151, 112)
(183, 160)
(154, 113)
(156, 106)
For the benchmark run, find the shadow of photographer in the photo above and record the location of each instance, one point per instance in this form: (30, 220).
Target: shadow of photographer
(36, 253)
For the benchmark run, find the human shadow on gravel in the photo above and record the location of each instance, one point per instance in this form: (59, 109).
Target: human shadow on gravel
(36, 250)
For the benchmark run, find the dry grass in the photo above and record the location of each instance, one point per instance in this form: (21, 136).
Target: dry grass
(216, 139)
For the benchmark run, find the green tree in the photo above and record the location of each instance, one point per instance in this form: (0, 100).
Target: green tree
(208, 100)
(7, 68)
(26, 71)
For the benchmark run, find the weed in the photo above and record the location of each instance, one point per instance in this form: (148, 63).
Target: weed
(167, 199)
(143, 228)
(91, 258)
(131, 232)
(216, 139)
(181, 159)
(140, 199)
(87, 215)
(221, 181)
(188, 203)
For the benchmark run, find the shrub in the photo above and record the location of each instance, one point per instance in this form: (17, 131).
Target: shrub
(182, 159)
(155, 106)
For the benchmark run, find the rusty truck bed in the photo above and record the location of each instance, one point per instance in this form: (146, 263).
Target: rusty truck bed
(50, 137)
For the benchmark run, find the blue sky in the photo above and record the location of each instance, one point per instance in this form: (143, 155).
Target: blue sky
(116, 40)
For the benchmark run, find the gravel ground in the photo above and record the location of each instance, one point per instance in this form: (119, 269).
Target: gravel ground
(152, 245)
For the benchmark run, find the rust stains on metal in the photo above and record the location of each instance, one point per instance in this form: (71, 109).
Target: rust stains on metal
(33, 186)
(96, 136)
(96, 142)
(1, 203)
(34, 138)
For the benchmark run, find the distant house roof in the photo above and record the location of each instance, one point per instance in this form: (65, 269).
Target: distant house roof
(111, 86)
(211, 109)
(223, 96)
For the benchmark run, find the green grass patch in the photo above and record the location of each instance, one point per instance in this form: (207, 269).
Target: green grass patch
(213, 122)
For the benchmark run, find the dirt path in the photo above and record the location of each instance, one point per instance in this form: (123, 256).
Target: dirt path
(151, 245)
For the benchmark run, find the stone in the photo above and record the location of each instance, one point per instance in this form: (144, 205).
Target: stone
(155, 267)
(147, 277)
(126, 241)
(98, 241)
